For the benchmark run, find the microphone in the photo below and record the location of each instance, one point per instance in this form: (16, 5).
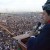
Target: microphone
(39, 23)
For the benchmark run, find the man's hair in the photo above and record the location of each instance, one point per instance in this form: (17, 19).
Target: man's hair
(48, 12)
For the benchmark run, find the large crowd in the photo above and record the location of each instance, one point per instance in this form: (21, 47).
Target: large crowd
(17, 25)
(7, 43)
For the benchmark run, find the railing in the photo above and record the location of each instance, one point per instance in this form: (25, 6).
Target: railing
(22, 45)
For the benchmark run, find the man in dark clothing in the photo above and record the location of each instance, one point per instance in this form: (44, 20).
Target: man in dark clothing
(42, 41)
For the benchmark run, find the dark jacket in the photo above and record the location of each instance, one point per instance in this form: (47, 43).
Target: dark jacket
(42, 41)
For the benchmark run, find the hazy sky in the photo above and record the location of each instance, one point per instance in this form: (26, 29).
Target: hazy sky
(21, 5)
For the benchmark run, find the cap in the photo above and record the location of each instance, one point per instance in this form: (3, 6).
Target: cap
(46, 6)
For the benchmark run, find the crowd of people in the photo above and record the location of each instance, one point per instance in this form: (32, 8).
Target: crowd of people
(16, 25)
(19, 25)
(7, 42)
